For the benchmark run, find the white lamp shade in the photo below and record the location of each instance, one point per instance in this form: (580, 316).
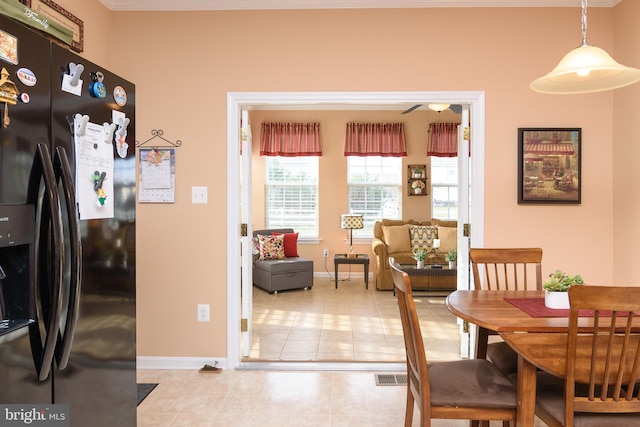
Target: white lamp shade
(349, 221)
(586, 69)
(439, 107)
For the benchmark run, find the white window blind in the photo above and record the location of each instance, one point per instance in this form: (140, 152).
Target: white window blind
(291, 194)
(375, 190)
(444, 187)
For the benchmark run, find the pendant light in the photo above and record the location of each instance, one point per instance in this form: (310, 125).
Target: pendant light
(586, 69)
(439, 107)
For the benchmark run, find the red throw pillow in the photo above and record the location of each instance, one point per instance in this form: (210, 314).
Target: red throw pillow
(290, 244)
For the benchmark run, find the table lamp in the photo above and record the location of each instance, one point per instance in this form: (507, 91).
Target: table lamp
(351, 222)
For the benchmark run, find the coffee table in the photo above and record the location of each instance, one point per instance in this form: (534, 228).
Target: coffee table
(437, 279)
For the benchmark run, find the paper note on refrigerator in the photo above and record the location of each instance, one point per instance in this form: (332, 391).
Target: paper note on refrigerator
(94, 172)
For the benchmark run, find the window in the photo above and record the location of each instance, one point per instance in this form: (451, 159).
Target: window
(375, 189)
(291, 194)
(444, 187)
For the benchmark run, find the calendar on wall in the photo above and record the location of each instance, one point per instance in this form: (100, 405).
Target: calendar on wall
(157, 175)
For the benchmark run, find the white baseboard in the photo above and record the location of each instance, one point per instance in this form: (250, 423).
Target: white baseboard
(153, 362)
(195, 363)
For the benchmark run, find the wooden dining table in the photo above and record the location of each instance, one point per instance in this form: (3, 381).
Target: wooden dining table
(539, 340)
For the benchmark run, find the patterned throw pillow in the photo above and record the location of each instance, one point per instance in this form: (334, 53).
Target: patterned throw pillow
(271, 247)
(290, 244)
(255, 247)
(422, 236)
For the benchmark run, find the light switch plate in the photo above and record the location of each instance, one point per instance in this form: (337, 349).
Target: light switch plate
(203, 312)
(199, 195)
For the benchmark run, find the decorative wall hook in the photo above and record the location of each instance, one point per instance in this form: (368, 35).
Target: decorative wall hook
(109, 129)
(158, 134)
(75, 71)
(80, 124)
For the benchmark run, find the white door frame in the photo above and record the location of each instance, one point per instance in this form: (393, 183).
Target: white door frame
(246, 251)
(236, 101)
(464, 208)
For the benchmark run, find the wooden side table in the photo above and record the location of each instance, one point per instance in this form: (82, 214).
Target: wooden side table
(359, 259)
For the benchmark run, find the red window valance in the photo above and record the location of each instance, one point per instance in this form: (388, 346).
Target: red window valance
(375, 139)
(290, 139)
(443, 140)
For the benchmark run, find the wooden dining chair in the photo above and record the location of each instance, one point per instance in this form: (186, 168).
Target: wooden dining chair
(504, 269)
(470, 389)
(602, 364)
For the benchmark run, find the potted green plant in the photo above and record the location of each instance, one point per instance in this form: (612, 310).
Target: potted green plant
(420, 254)
(452, 257)
(417, 172)
(556, 288)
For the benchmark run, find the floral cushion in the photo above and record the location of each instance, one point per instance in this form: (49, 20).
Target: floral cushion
(290, 244)
(255, 247)
(271, 247)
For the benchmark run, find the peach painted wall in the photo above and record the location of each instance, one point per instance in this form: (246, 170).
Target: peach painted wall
(97, 21)
(626, 150)
(333, 191)
(185, 63)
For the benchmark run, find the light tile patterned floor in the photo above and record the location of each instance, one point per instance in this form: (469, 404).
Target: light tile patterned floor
(350, 323)
(236, 398)
(323, 324)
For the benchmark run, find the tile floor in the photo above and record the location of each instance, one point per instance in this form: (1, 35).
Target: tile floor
(346, 324)
(323, 324)
(251, 398)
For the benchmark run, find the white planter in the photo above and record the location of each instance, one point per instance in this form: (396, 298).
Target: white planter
(453, 264)
(419, 264)
(556, 299)
(417, 190)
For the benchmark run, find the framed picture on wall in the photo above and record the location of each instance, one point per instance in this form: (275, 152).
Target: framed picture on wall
(49, 9)
(549, 165)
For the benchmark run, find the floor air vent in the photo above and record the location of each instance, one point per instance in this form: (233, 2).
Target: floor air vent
(391, 379)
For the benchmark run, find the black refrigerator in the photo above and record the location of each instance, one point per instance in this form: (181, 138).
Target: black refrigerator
(67, 275)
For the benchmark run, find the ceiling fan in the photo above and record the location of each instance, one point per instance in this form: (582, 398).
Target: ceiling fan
(456, 108)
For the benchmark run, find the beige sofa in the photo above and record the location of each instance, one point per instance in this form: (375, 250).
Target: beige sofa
(393, 238)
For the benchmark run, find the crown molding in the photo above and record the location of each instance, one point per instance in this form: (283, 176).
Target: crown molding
(188, 5)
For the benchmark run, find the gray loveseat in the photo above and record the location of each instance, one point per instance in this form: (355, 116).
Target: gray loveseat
(275, 275)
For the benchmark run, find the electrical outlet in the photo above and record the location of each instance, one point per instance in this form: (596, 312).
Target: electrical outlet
(325, 253)
(203, 312)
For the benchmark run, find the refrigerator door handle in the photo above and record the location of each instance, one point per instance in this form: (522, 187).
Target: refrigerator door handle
(49, 274)
(63, 172)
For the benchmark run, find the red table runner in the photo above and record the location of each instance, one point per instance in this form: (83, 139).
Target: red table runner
(535, 307)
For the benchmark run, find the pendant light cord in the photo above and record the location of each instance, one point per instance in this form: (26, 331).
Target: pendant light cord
(584, 22)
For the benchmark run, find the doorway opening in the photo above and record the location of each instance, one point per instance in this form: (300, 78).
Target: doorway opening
(238, 101)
